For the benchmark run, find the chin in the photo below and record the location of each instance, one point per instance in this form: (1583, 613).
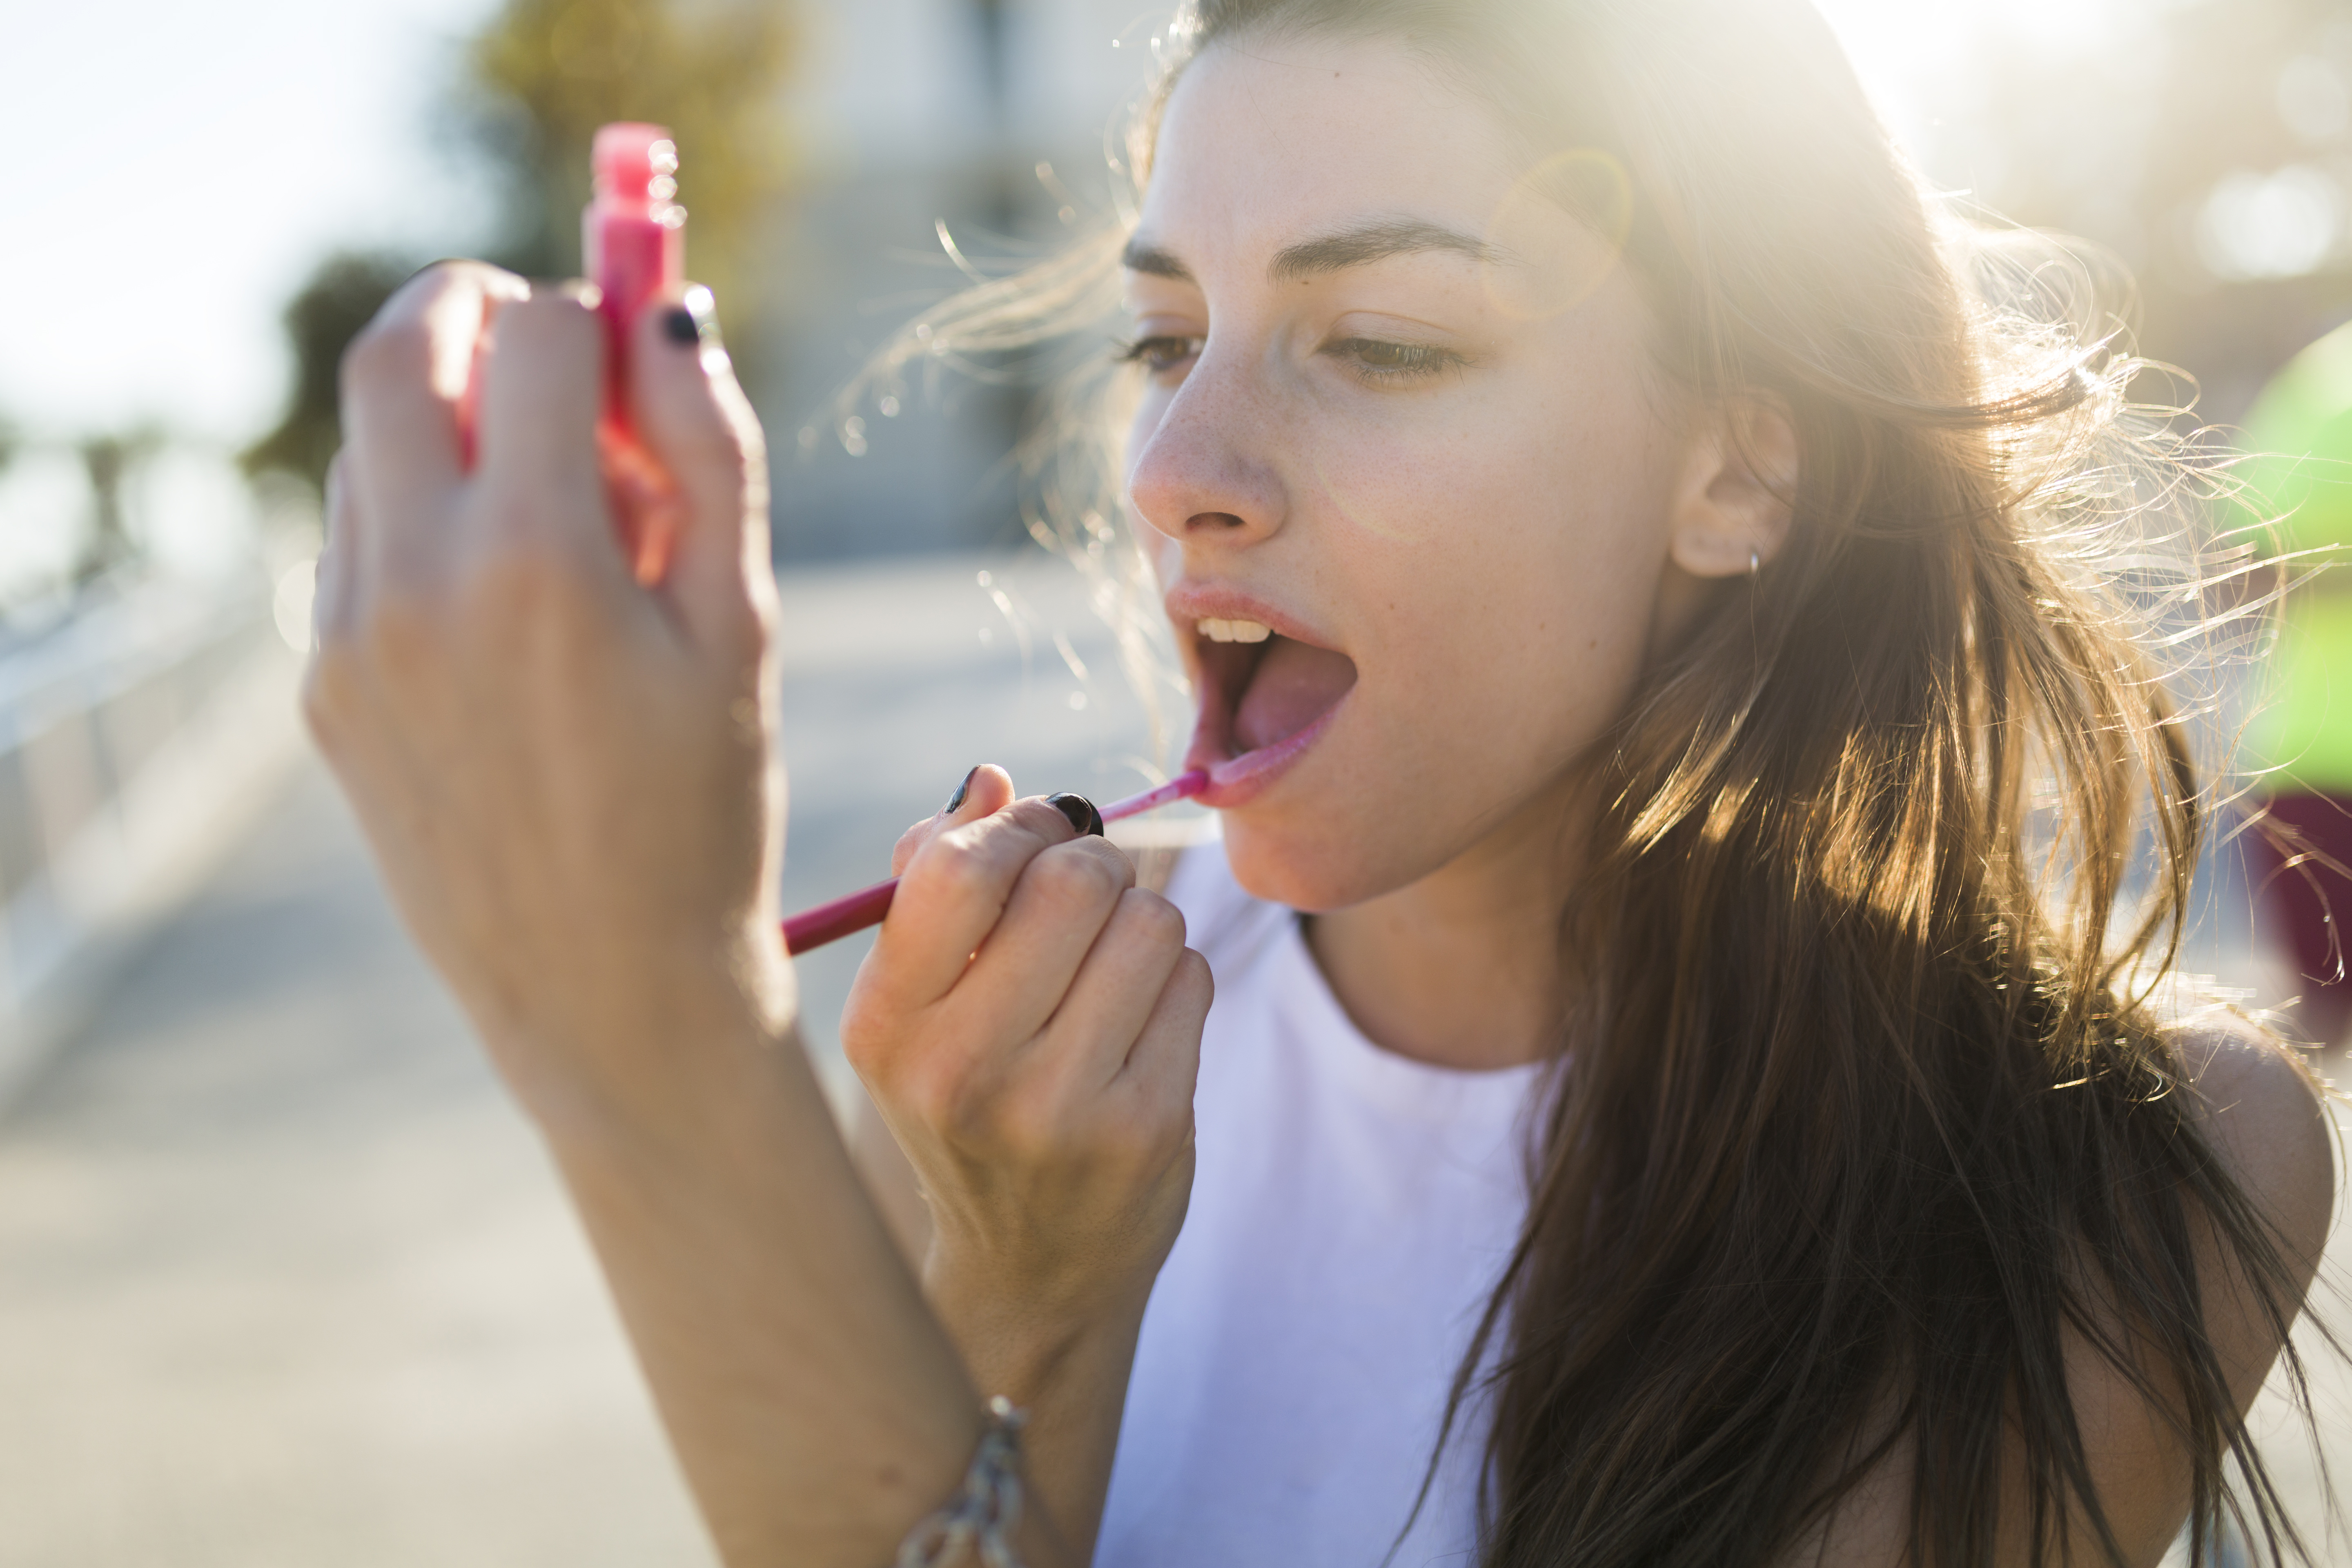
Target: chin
(1313, 870)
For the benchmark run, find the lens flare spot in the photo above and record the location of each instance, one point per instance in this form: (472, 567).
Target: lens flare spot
(1354, 500)
(1559, 230)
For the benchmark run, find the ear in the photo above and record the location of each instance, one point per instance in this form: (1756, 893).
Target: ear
(1731, 505)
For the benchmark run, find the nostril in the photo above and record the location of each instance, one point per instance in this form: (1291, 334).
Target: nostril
(1208, 520)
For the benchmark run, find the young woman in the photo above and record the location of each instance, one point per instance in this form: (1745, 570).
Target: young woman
(1685, 1084)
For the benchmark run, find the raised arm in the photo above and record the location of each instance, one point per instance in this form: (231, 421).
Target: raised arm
(567, 777)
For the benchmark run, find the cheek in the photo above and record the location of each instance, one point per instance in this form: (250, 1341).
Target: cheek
(1525, 543)
(1512, 581)
(1521, 471)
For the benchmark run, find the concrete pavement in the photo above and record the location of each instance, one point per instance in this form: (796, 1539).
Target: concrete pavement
(284, 1281)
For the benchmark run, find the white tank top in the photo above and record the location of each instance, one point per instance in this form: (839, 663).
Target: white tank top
(1351, 1213)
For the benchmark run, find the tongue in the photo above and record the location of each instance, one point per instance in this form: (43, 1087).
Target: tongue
(1295, 684)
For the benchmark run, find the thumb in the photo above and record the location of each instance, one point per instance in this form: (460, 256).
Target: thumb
(985, 791)
(694, 419)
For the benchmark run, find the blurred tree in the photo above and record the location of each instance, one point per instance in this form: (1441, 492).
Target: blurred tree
(544, 74)
(320, 321)
(535, 84)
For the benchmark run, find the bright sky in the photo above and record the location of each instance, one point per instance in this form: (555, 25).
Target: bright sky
(1898, 45)
(181, 167)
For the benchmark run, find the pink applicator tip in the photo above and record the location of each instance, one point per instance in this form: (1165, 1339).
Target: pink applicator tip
(812, 929)
(1183, 786)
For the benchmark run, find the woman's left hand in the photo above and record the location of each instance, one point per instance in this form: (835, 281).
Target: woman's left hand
(1042, 1088)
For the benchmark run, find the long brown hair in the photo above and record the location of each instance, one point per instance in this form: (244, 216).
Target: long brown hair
(1873, 1114)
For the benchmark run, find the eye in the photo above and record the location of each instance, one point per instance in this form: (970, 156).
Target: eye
(1377, 360)
(1159, 354)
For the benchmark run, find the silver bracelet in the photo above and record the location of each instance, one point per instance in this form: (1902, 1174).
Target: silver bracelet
(976, 1526)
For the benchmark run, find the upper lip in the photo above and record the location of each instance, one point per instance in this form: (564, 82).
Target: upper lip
(1189, 602)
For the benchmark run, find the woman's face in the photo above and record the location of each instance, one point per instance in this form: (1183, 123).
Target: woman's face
(1398, 426)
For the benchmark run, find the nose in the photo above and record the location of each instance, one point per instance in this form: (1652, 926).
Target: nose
(1203, 473)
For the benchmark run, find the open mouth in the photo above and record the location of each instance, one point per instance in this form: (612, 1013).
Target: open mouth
(1265, 698)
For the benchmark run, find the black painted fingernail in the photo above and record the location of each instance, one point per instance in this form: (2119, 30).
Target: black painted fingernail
(955, 801)
(693, 320)
(1080, 811)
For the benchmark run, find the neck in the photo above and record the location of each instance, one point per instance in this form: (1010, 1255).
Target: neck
(1461, 968)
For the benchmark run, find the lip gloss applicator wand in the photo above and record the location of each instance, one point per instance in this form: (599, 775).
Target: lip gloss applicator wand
(814, 927)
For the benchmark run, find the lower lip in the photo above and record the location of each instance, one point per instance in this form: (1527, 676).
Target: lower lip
(1237, 781)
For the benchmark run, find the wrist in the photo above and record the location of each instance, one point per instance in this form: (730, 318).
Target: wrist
(660, 1056)
(1024, 1343)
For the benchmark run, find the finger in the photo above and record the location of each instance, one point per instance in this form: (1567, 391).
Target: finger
(1115, 991)
(985, 790)
(403, 379)
(686, 407)
(952, 895)
(1058, 909)
(542, 386)
(1163, 1063)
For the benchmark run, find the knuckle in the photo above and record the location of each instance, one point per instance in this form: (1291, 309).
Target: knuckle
(552, 321)
(958, 863)
(387, 350)
(1192, 986)
(1069, 879)
(910, 844)
(861, 1040)
(1040, 821)
(907, 1076)
(1153, 918)
(494, 281)
(1114, 859)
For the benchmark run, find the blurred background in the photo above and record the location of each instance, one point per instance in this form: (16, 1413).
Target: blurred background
(282, 1278)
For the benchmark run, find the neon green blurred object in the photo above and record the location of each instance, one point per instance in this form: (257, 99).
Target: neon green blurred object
(2300, 431)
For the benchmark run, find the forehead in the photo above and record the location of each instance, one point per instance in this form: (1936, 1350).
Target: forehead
(1264, 140)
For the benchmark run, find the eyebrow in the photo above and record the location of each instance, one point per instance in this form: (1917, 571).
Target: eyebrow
(1356, 245)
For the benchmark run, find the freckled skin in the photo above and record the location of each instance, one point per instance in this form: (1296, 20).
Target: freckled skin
(1458, 465)
(1489, 544)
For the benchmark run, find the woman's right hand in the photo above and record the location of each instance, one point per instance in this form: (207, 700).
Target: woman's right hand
(567, 775)
(1029, 1027)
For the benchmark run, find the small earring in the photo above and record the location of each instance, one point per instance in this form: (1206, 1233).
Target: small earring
(1755, 563)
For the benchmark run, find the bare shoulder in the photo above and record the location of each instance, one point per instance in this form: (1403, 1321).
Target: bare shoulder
(2268, 1116)
(2265, 1115)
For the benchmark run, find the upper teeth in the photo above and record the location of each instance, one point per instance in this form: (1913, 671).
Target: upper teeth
(1235, 631)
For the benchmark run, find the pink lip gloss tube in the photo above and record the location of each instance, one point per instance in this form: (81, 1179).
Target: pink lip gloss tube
(633, 234)
(632, 247)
